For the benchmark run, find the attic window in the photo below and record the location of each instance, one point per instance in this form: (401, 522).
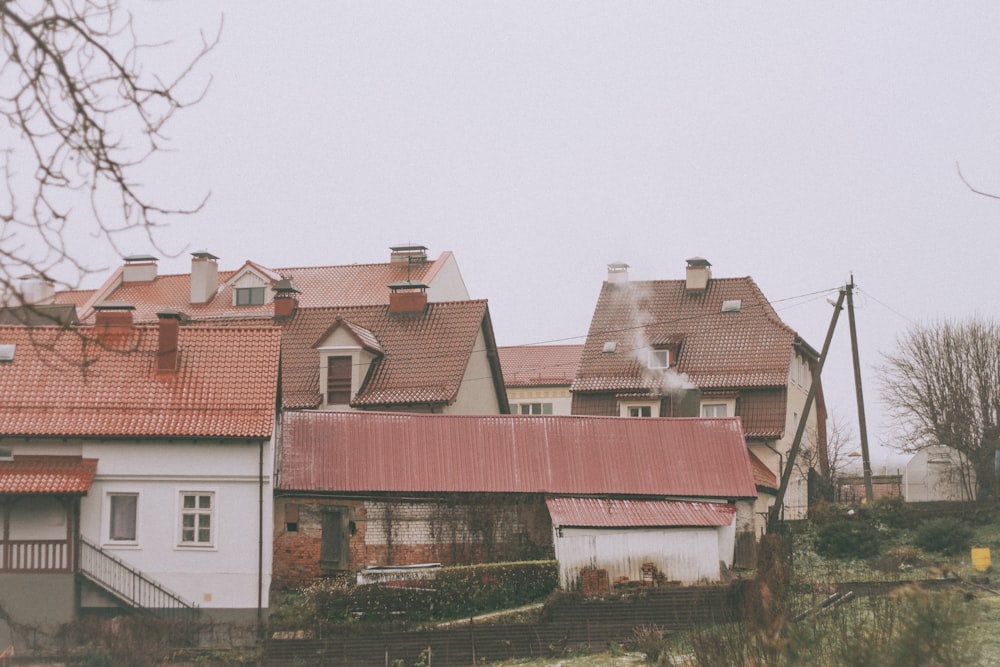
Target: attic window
(662, 358)
(249, 296)
(7, 353)
(6, 454)
(732, 306)
(610, 347)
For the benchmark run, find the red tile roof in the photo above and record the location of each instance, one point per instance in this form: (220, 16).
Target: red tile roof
(762, 475)
(539, 365)
(749, 348)
(47, 474)
(320, 286)
(358, 452)
(424, 358)
(619, 513)
(67, 382)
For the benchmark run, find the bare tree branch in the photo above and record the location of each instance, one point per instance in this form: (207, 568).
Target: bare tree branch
(969, 185)
(80, 116)
(942, 386)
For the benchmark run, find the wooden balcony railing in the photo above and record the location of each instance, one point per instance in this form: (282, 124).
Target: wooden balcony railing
(35, 556)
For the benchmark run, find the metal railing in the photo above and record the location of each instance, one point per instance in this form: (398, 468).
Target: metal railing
(128, 584)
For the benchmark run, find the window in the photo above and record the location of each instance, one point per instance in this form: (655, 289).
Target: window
(196, 519)
(713, 410)
(6, 454)
(532, 408)
(640, 411)
(122, 521)
(659, 358)
(338, 380)
(249, 296)
(291, 518)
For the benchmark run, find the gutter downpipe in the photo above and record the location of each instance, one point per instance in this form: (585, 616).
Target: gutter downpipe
(260, 538)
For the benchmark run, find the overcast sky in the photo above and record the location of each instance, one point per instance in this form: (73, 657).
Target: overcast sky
(792, 142)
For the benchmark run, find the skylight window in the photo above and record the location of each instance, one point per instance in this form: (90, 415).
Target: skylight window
(732, 306)
(7, 353)
(610, 347)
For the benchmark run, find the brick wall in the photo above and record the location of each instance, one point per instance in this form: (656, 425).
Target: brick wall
(455, 530)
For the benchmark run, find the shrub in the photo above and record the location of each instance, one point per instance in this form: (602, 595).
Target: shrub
(848, 538)
(892, 511)
(944, 536)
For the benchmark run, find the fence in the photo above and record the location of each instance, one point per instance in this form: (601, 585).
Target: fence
(568, 624)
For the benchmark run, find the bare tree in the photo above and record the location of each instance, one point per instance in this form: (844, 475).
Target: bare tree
(79, 115)
(827, 473)
(942, 385)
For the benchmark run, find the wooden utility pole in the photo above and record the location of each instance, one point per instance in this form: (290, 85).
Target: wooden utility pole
(786, 474)
(862, 428)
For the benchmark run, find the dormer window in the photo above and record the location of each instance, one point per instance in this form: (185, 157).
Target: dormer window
(661, 358)
(249, 296)
(338, 380)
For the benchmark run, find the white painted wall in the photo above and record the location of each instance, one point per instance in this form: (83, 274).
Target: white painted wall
(223, 575)
(447, 284)
(688, 555)
(559, 397)
(477, 395)
(932, 474)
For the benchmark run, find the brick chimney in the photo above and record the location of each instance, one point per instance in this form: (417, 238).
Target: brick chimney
(699, 273)
(204, 276)
(617, 272)
(167, 353)
(407, 298)
(113, 322)
(139, 269)
(285, 302)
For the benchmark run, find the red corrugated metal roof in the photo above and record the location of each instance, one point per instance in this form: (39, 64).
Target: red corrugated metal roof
(390, 452)
(47, 474)
(68, 382)
(539, 365)
(629, 513)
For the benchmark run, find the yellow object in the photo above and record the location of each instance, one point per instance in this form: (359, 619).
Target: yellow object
(981, 559)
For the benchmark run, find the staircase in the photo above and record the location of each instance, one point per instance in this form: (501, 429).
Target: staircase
(131, 586)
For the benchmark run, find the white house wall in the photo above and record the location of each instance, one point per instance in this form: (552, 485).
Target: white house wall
(447, 284)
(477, 395)
(688, 555)
(223, 575)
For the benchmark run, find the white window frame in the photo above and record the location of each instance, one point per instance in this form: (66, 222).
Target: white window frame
(625, 409)
(109, 538)
(544, 408)
(196, 511)
(713, 408)
(251, 291)
(661, 358)
(706, 401)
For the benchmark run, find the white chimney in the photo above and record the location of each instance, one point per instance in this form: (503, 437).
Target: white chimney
(204, 276)
(699, 272)
(617, 272)
(139, 269)
(37, 290)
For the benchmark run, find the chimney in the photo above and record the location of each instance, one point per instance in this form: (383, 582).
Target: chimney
(37, 290)
(699, 272)
(285, 303)
(139, 269)
(167, 354)
(617, 272)
(411, 254)
(407, 298)
(204, 276)
(113, 322)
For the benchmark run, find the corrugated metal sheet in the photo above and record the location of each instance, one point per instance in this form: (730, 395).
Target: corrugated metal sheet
(366, 452)
(626, 513)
